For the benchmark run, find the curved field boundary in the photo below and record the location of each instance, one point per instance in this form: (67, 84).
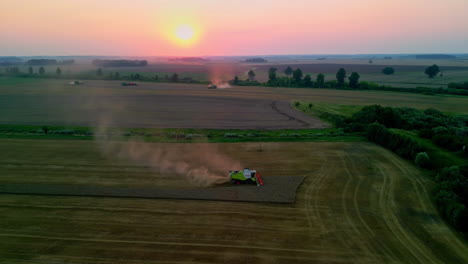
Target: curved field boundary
(290, 117)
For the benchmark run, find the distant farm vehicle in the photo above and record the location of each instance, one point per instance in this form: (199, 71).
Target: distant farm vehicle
(246, 176)
(212, 86)
(129, 84)
(75, 83)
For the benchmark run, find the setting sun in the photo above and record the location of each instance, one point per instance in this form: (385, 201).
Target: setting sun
(185, 35)
(184, 32)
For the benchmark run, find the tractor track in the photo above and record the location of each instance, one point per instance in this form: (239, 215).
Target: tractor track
(290, 117)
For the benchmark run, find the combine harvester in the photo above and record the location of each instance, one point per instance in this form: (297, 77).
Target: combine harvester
(247, 176)
(129, 84)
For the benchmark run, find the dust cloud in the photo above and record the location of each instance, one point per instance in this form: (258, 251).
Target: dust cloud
(200, 164)
(221, 74)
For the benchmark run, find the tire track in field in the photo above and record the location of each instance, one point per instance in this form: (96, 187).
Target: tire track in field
(349, 195)
(382, 250)
(425, 202)
(311, 205)
(388, 208)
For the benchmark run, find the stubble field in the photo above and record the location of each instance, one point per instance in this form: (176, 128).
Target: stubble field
(358, 203)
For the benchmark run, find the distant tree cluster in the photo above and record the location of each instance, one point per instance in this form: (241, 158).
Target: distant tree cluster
(66, 62)
(297, 78)
(41, 62)
(256, 60)
(388, 71)
(12, 70)
(119, 63)
(435, 56)
(10, 60)
(188, 59)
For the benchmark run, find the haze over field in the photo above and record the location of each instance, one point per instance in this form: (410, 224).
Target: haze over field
(209, 27)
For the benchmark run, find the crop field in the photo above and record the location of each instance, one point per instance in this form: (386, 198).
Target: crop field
(99, 103)
(408, 72)
(358, 203)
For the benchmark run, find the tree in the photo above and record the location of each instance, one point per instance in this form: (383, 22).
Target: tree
(175, 77)
(320, 80)
(41, 70)
(99, 72)
(422, 160)
(432, 71)
(236, 80)
(272, 74)
(251, 75)
(297, 75)
(58, 71)
(308, 81)
(340, 77)
(30, 70)
(388, 70)
(354, 80)
(288, 71)
(117, 75)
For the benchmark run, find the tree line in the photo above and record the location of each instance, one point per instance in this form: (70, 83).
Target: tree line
(296, 78)
(119, 63)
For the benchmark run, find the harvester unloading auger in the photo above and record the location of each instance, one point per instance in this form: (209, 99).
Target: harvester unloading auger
(247, 176)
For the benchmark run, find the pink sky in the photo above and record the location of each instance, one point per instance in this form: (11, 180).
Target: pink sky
(145, 27)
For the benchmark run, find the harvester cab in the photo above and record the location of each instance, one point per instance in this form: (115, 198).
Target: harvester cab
(246, 176)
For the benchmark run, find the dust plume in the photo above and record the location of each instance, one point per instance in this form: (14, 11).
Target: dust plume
(220, 74)
(201, 164)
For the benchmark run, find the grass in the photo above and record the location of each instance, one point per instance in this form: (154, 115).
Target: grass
(177, 135)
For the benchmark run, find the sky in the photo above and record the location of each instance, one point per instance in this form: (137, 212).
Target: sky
(231, 28)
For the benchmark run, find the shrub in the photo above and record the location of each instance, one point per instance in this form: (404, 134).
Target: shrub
(440, 130)
(230, 135)
(425, 133)
(310, 105)
(45, 129)
(388, 70)
(422, 160)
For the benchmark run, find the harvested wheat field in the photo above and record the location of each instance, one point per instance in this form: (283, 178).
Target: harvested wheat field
(358, 203)
(278, 189)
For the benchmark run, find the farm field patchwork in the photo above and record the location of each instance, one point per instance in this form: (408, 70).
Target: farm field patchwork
(54, 102)
(358, 203)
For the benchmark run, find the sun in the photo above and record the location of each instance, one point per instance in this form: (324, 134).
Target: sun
(184, 32)
(185, 35)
